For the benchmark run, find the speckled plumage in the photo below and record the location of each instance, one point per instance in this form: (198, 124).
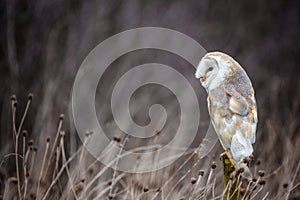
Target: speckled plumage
(231, 103)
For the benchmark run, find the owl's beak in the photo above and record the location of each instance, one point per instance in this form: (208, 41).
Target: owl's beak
(202, 79)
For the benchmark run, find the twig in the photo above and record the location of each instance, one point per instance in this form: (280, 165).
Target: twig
(116, 165)
(42, 168)
(14, 108)
(64, 160)
(59, 174)
(53, 149)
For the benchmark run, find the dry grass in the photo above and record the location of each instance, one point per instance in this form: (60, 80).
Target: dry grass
(58, 175)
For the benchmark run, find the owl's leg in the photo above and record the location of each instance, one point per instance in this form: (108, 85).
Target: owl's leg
(227, 154)
(238, 167)
(233, 162)
(223, 155)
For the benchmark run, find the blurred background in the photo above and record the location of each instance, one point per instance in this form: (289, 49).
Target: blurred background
(43, 43)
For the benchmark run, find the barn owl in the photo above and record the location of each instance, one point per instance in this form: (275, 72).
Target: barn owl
(231, 104)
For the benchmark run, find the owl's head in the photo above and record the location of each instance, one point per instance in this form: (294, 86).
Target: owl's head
(212, 69)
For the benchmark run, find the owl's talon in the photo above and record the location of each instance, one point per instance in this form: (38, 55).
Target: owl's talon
(223, 155)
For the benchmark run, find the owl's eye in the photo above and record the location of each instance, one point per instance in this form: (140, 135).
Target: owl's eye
(210, 69)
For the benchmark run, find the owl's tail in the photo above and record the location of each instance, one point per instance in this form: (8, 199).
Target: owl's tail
(241, 147)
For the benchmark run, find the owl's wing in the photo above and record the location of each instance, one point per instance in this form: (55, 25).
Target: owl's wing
(238, 104)
(243, 107)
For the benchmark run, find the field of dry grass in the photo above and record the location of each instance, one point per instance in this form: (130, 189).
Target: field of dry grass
(57, 174)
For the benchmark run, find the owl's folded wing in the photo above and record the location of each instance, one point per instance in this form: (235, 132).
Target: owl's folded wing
(244, 107)
(237, 103)
(238, 106)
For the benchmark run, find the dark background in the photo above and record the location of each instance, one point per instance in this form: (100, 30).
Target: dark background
(42, 44)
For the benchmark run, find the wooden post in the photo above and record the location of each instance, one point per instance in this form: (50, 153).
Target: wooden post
(232, 190)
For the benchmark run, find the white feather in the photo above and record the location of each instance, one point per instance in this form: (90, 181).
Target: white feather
(240, 147)
(198, 73)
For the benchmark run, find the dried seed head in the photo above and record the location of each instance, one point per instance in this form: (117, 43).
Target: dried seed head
(110, 196)
(241, 170)
(27, 174)
(261, 173)
(201, 173)
(213, 165)
(48, 139)
(31, 142)
(24, 133)
(91, 170)
(15, 103)
(146, 189)
(30, 96)
(262, 182)
(258, 161)
(158, 190)
(88, 133)
(109, 182)
(13, 97)
(285, 185)
(117, 138)
(254, 179)
(61, 116)
(62, 133)
(35, 148)
(82, 180)
(193, 180)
